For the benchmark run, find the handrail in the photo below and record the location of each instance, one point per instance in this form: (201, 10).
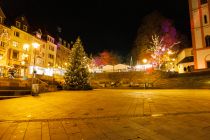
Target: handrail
(42, 82)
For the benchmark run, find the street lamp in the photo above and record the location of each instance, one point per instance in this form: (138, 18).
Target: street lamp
(35, 46)
(144, 61)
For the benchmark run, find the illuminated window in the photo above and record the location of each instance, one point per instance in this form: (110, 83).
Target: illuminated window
(17, 34)
(17, 24)
(25, 28)
(205, 19)
(15, 44)
(25, 47)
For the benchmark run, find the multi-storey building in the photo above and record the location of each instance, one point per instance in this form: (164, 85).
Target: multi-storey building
(4, 44)
(63, 51)
(25, 53)
(200, 29)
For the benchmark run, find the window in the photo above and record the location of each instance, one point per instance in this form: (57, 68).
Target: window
(205, 19)
(207, 39)
(203, 1)
(64, 43)
(50, 56)
(2, 44)
(15, 44)
(17, 34)
(25, 28)
(52, 40)
(51, 48)
(17, 24)
(15, 55)
(50, 64)
(208, 64)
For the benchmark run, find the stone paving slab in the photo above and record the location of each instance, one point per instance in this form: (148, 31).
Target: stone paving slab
(108, 115)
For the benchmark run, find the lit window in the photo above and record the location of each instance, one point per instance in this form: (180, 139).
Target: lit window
(17, 24)
(25, 47)
(25, 28)
(15, 44)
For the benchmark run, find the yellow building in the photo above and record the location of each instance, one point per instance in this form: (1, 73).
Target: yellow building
(4, 44)
(25, 50)
(22, 53)
(200, 29)
(63, 51)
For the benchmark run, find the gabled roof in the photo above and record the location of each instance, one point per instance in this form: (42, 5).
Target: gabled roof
(2, 13)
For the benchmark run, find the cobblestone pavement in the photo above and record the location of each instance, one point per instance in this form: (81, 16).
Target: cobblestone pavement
(108, 115)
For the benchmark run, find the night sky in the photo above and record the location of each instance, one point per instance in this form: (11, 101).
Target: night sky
(102, 24)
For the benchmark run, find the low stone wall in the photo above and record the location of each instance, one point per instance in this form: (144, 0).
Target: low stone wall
(6, 84)
(155, 80)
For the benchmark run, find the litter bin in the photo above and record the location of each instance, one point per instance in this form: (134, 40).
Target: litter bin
(35, 89)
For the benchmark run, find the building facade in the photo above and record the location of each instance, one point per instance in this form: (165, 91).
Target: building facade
(63, 52)
(200, 30)
(23, 52)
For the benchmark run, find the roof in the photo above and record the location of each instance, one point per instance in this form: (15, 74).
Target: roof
(2, 13)
(187, 60)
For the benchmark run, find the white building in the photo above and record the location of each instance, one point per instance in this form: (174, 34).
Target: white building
(185, 61)
(200, 29)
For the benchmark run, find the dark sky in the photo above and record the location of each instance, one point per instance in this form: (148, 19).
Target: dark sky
(102, 24)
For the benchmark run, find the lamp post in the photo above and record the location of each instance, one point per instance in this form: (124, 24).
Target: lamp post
(35, 46)
(25, 59)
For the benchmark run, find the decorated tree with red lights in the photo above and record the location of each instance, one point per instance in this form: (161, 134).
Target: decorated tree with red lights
(77, 73)
(106, 58)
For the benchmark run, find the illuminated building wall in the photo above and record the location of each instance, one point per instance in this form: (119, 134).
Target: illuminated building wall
(200, 29)
(18, 52)
(63, 51)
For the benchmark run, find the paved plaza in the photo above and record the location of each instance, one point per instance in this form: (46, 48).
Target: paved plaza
(108, 115)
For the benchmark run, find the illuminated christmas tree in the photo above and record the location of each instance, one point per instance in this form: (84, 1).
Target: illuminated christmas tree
(77, 74)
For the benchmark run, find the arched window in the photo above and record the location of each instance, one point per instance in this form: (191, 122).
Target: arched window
(207, 39)
(205, 19)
